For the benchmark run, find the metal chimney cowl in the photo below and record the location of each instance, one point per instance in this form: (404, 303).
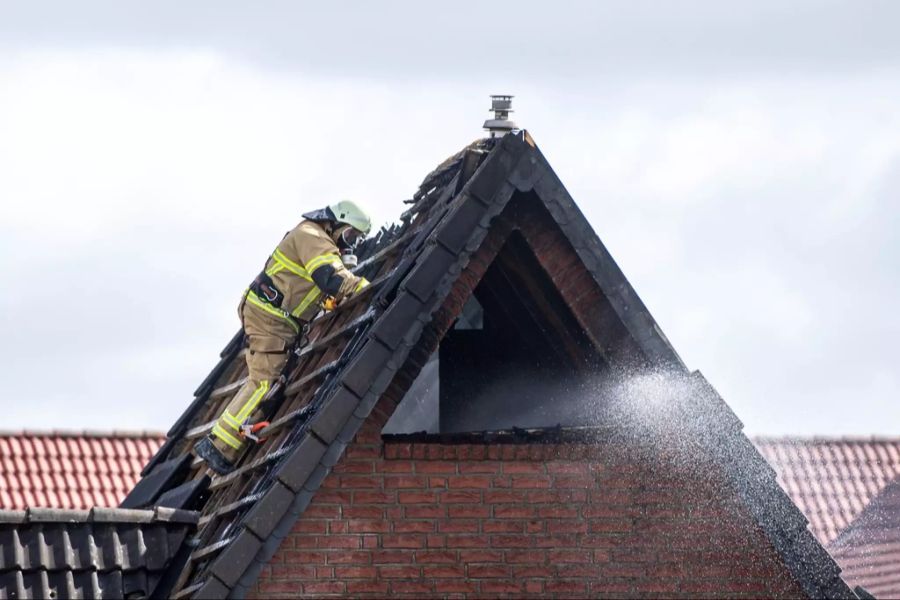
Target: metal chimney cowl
(500, 125)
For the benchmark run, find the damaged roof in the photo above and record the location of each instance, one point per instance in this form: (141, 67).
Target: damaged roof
(377, 342)
(71, 469)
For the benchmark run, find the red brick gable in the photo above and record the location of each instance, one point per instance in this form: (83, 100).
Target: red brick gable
(548, 520)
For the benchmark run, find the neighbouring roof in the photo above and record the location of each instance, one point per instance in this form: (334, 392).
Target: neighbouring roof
(869, 549)
(377, 342)
(101, 553)
(71, 469)
(832, 480)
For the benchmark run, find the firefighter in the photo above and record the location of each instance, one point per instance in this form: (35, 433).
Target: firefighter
(304, 274)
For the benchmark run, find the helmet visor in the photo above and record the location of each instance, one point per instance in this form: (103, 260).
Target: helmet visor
(352, 237)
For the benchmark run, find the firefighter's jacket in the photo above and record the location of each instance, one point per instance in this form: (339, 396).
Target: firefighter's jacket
(286, 288)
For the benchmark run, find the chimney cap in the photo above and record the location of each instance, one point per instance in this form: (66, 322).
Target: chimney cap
(501, 106)
(502, 102)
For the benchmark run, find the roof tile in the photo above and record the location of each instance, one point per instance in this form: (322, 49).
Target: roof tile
(832, 480)
(78, 553)
(70, 470)
(869, 549)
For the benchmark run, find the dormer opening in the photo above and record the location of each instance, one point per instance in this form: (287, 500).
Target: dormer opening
(516, 356)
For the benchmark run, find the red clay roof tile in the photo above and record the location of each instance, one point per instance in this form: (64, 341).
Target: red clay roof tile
(832, 480)
(869, 549)
(71, 470)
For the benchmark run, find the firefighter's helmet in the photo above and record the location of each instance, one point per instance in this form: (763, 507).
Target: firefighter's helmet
(349, 212)
(346, 212)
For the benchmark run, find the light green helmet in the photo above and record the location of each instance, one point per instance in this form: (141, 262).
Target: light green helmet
(349, 212)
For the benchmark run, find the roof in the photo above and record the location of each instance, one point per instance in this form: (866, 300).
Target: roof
(71, 469)
(832, 480)
(423, 271)
(869, 549)
(101, 553)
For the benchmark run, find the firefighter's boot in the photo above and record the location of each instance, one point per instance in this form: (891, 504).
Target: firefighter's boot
(226, 433)
(249, 403)
(214, 459)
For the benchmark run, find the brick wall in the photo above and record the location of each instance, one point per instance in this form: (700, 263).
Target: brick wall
(569, 520)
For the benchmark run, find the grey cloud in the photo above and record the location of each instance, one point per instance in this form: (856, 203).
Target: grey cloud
(487, 42)
(131, 328)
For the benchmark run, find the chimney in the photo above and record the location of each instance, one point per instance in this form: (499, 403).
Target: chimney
(500, 125)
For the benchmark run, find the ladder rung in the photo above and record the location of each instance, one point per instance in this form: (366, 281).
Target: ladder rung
(384, 252)
(200, 430)
(345, 330)
(279, 423)
(228, 508)
(189, 591)
(221, 392)
(224, 480)
(321, 371)
(210, 550)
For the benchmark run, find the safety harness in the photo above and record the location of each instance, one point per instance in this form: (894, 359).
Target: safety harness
(263, 293)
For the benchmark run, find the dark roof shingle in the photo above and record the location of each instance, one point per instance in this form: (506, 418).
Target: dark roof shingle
(101, 553)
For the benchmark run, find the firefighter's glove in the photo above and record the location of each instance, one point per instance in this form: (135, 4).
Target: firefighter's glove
(330, 303)
(363, 284)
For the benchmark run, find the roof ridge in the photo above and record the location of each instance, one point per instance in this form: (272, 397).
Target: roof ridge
(825, 439)
(81, 433)
(99, 514)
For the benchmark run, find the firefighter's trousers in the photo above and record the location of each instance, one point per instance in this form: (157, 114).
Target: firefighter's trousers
(269, 341)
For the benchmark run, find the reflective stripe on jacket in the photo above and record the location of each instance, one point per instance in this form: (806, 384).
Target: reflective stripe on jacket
(304, 249)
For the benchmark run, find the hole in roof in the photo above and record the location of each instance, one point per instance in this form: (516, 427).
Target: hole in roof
(515, 357)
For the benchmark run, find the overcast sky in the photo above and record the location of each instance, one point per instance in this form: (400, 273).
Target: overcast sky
(741, 161)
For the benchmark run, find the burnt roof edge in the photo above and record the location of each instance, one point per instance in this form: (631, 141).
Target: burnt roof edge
(515, 435)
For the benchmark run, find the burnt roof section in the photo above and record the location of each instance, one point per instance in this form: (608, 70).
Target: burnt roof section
(355, 353)
(101, 553)
(516, 435)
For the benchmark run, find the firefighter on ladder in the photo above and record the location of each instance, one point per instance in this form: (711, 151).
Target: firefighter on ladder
(304, 274)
